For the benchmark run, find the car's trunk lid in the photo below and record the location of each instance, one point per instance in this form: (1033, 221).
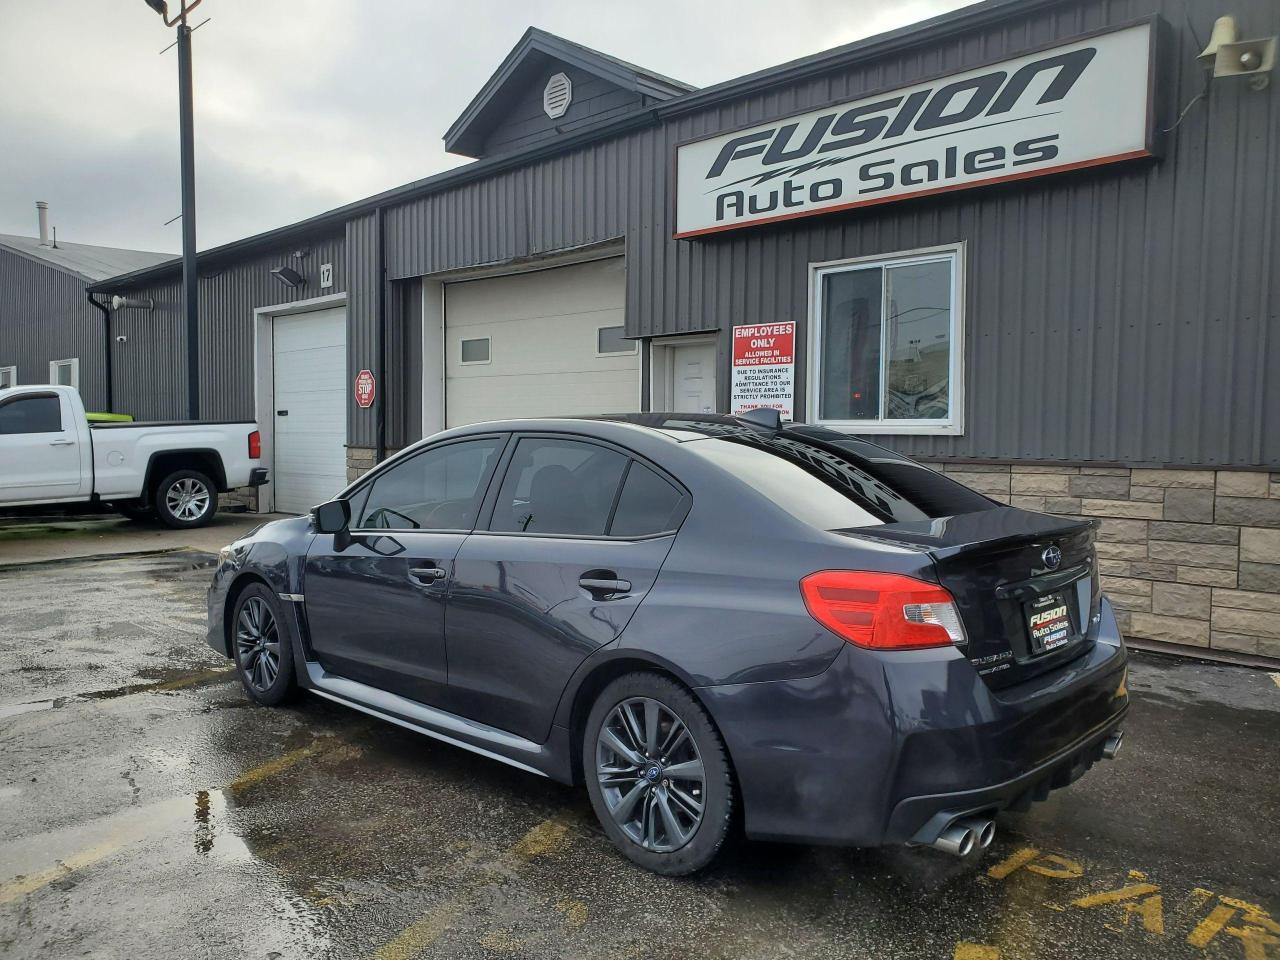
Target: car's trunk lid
(1023, 612)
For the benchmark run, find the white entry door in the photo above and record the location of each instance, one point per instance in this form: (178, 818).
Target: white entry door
(310, 415)
(693, 380)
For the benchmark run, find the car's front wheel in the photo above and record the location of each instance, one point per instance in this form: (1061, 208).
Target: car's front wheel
(261, 646)
(658, 774)
(186, 498)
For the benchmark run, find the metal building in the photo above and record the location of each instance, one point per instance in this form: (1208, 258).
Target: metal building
(1032, 240)
(51, 331)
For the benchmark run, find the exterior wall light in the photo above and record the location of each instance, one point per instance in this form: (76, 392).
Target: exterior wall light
(288, 276)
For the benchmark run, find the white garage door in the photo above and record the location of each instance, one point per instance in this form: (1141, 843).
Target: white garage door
(530, 345)
(310, 462)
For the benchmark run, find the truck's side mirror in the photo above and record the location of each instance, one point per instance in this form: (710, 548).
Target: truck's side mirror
(331, 517)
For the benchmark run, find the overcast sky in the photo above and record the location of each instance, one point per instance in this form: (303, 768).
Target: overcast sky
(302, 106)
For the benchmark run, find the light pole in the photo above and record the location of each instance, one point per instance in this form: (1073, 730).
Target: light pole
(187, 140)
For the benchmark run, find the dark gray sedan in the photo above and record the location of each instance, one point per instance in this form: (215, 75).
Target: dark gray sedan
(707, 620)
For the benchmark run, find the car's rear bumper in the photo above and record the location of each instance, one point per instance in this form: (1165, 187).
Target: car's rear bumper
(874, 749)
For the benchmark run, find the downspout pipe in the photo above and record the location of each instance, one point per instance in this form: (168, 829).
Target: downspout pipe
(380, 409)
(106, 323)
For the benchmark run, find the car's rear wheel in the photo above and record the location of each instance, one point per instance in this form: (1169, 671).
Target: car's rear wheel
(658, 774)
(260, 644)
(186, 498)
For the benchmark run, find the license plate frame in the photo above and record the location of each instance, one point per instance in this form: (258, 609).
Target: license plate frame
(1050, 621)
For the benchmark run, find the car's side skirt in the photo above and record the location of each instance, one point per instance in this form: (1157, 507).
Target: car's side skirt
(447, 727)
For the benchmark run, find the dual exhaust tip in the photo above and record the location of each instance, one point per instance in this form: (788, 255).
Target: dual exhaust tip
(962, 837)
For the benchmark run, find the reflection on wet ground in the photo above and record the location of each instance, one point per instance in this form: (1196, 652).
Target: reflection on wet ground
(147, 809)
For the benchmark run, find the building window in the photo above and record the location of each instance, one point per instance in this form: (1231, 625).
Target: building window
(887, 343)
(611, 340)
(475, 351)
(8, 377)
(65, 373)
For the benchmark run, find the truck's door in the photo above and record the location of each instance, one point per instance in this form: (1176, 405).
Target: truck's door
(41, 456)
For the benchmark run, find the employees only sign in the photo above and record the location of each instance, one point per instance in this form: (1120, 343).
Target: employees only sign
(764, 368)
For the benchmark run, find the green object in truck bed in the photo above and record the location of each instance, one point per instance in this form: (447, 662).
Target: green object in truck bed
(109, 417)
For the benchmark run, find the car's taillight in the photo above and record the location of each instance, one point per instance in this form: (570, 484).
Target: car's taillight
(883, 611)
(255, 446)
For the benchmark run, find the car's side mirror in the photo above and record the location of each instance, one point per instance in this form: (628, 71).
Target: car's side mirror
(331, 517)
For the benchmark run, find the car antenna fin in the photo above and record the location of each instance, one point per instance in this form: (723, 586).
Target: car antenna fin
(766, 417)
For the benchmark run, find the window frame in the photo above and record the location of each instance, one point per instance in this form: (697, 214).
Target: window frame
(364, 487)
(74, 364)
(488, 355)
(42, 395)
(12, 371)
(953, 425)
(500, 474)
(635, 344)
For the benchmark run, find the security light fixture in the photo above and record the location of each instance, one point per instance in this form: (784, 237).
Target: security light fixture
(159, 6)
(288, 276)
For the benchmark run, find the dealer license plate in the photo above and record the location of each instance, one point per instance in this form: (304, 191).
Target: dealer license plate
(1049, 622)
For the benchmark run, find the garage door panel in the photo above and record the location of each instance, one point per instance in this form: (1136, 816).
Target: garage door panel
(309, 463)
(542, 329)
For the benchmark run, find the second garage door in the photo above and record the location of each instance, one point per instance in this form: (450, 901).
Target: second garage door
(542, 344)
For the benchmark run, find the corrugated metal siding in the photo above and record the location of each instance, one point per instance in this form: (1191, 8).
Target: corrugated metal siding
(1124, 314)
(44, 316)
(150, 369)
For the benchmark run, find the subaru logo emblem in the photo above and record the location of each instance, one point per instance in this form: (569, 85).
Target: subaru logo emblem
(652, 774)
(1052, 557)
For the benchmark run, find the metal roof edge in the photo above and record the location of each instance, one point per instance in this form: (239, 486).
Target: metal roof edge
(62, 268)
(913, 34)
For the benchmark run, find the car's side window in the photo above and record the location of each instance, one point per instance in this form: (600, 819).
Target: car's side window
(438, 489)
(648, 505)
(558, 487)
(40, 414)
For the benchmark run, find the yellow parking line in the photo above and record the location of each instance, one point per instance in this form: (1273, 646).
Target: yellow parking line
(1276, 678)
(21, 886)
(272, 767)
(543, 839)
(976, 951)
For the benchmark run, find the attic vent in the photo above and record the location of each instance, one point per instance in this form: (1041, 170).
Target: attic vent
(557, 95)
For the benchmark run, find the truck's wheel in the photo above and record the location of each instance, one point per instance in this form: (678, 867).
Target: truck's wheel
(186, 498)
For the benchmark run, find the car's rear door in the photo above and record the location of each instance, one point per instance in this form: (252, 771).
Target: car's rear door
(375, 595)
(577, 531)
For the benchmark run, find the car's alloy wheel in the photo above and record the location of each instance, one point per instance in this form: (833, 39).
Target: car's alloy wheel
(651, 774)
(258, 644)
(188, 499)
(658, 773)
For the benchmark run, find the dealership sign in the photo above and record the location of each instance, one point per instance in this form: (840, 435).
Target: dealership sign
(764, 368)
(1075, 105)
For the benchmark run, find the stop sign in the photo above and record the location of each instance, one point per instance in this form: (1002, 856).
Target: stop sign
(366, 385)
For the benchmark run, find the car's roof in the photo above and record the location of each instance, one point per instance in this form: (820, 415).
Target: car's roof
(675, 426)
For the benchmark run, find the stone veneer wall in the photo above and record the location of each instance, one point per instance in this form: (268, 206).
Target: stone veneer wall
(1186, 556)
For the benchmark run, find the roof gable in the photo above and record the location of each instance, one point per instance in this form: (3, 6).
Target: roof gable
(507, 114)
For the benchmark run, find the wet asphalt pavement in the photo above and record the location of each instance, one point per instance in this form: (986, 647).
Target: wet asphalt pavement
(148, 810)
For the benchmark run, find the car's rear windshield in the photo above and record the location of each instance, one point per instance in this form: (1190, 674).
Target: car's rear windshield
(833, 482)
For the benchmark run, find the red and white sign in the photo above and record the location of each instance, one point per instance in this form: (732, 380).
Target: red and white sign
(366, 388)
(764, 368)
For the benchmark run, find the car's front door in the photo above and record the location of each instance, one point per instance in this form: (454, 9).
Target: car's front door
(577, 534)
(375, 595)
(40, 453)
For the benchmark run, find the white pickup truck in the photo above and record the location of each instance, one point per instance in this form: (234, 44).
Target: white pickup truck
(49, 454)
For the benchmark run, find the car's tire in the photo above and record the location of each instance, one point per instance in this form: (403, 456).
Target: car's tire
(136, 510)
(261, 647)
(186, 499)
(649, 810)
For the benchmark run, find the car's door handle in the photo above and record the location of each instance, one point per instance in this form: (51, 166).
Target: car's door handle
(426, 575)
(604, 585)
(61, 443)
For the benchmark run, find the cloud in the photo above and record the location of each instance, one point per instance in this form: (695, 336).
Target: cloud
(301, 107)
